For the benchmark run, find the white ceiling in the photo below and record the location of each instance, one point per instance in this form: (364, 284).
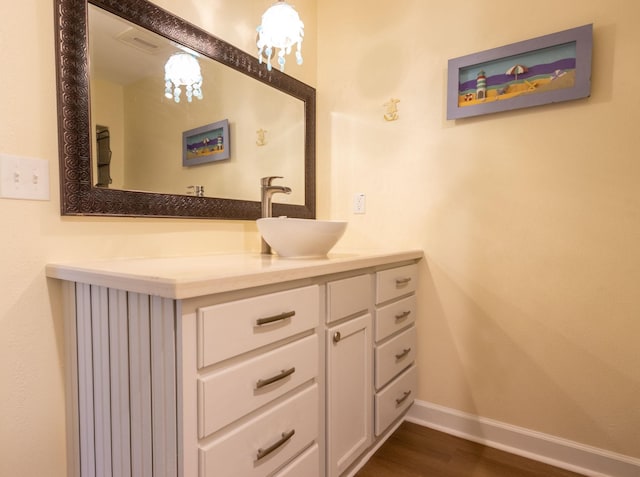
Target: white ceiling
(121, 52)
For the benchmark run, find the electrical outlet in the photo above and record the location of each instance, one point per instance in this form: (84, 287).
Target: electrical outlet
(24, 178)
(359, 203)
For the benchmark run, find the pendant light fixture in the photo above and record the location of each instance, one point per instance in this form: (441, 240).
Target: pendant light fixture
(281, 28)
(182, 69)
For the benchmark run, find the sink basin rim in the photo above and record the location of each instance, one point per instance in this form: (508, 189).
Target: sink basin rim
(292, 237)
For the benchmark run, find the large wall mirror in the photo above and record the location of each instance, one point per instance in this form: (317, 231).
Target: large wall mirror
(122, 141)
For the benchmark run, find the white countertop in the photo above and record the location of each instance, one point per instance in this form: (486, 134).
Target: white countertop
(187, 277)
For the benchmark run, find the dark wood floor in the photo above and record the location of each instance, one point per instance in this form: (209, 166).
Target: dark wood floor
(416, 451)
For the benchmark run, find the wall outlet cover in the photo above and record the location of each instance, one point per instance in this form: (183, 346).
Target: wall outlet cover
(24, 178)
(359, 203)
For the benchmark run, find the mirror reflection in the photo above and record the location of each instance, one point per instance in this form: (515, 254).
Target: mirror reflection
(138, 133)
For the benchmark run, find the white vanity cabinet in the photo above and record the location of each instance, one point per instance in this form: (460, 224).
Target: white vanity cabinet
(395, 344)
(348, 338)
(233, 365)
(257, 377)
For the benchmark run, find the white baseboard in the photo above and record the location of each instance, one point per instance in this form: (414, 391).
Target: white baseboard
(556, 451)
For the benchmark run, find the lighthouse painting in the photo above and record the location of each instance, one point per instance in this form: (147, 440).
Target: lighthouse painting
(481, 86)
(535, 72)
(552, 68)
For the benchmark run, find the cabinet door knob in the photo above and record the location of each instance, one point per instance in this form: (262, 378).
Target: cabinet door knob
(404, 352)
(402, 281)
(337, 337)
(262, 453)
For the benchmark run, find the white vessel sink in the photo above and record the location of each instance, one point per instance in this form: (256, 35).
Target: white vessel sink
(300, 238)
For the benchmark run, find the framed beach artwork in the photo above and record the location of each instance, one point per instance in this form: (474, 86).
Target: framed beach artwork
(207, 143)
(547, 69)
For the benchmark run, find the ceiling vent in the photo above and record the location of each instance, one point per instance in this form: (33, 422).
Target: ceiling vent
(142, 40)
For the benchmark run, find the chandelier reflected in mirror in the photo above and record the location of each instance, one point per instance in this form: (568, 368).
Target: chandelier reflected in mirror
(182, 69)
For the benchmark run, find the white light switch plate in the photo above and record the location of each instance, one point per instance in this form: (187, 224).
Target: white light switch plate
(24, 178)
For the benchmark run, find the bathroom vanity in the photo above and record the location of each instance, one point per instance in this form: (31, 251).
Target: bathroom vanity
(236, 365)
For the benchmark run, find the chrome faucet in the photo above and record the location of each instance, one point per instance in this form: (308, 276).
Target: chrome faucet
(268, 190)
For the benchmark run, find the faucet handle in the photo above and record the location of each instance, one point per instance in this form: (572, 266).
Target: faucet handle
(198, 190)
(266, 181)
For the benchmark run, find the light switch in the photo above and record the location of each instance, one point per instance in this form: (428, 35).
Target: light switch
(24, 178)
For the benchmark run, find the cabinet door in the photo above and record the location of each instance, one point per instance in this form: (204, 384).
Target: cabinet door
(233, 328)
(395, 399)
(394, 317)
(349, 392)
(394, 356)
(307, 464)
(350, 296)
(396, 282)
(237, 389)
(266, 441)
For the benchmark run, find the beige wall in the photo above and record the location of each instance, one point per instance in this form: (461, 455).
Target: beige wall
(32, 419)
(154, 127)
(530, 220)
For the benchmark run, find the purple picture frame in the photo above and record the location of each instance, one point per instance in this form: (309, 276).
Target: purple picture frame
(547, 69)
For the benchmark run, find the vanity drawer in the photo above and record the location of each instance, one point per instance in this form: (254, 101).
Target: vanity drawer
(236, 453)
(348, 296)
(394, 356)
(305, 465)
(233, 328)
(395, 399)
(396, 282)
(229, 394)
(394, 317)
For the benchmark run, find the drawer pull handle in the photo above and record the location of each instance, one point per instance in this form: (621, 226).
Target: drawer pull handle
(337, 337)
(405, 352)
(283, 374)
(402, 281)
(404, 397)
(262, 453)
(403, 315)
(274, 318)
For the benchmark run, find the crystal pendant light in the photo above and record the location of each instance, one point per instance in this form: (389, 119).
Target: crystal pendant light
(281, 28)
(182, 69)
